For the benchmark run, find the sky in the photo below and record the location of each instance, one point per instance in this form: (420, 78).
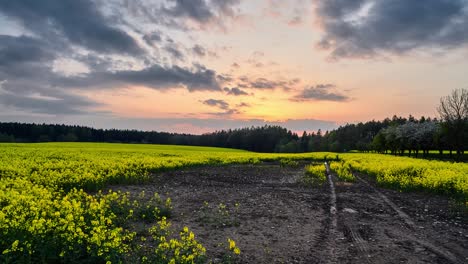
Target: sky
(196, 66)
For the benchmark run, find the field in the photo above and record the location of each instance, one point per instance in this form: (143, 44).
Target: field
(98, 203)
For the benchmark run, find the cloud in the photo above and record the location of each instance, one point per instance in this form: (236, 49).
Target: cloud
(157, 77)
(226, 7)
(242, 104)
(197, 10)
(24, 56)
(174, 52)
(80, 22)
(221, 104)
(227, 110)
(23, 49)
(199, 50)
(234, 91)
(295, 21)
(292, 13)
(47, 91)
(30, 97)
(369, 28)
(320, 92)
(266, 84)
(25, 72)
(182, 14)
(152, 38)
(263, 83)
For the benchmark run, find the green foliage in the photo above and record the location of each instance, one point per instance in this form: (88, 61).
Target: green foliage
(91, 166)
(6, 138)
(405, 173)
(233, 252)
(142, 208)
(46, 216)
(184, 250)
(41, 226)
(315, 175)
(343, 170)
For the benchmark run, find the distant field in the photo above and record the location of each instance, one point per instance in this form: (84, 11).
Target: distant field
(433, 155)
(91, 165)
(45, 214)
(406, 173)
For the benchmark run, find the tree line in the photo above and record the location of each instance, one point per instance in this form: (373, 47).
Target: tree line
(260, 139)
(397, 135)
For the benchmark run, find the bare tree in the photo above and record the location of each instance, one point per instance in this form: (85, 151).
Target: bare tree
(453, 111)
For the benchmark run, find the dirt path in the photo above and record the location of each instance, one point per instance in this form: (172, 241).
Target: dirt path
(274, 219)
(384, 226)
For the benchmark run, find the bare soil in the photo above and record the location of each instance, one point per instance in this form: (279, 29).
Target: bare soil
(275, 219)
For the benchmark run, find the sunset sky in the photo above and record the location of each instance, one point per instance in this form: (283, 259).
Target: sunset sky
(196, 66)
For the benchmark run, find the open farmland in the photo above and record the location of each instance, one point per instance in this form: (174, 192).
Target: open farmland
(94, 203)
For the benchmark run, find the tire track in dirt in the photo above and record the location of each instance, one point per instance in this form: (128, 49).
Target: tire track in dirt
(411, 225)
(333, 217)
(282, 221)
(356, 237)
(408, 221)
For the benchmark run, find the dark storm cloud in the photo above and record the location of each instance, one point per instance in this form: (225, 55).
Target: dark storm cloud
(234, 91)
(320, 92)
(81, 22)
(365, 28)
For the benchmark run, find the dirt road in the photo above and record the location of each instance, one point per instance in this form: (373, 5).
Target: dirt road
(275, 219)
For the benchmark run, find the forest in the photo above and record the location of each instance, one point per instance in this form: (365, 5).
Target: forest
(397, 135)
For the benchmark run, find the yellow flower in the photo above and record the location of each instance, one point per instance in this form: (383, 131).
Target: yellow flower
(232, 244)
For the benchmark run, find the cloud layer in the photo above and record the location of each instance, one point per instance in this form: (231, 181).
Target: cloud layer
(369, 28)
(92, 33)
(320, 92)
(79, 22)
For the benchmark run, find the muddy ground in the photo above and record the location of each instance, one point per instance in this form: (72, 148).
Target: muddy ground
(275, 219)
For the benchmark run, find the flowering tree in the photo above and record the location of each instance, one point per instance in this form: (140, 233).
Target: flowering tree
(453, 111)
